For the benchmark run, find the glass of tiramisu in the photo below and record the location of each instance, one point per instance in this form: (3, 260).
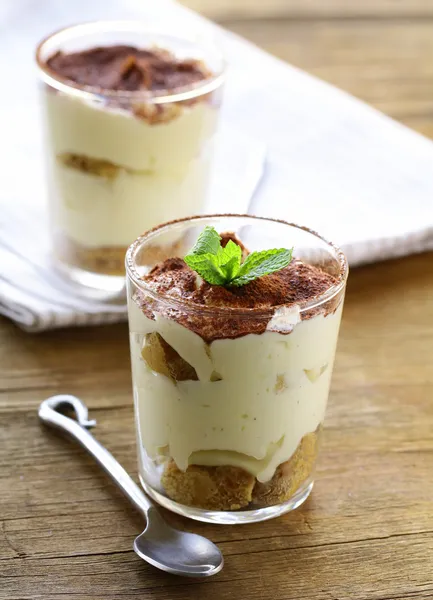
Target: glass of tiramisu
(130, 119)
(233, 331)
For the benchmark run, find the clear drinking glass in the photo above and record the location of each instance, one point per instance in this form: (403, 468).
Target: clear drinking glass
(120, 162)
(228, 430)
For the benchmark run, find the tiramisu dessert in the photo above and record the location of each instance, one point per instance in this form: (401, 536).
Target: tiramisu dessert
(232, 354)
(130, 140)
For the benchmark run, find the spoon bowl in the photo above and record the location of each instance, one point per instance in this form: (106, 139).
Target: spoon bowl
(177, 552)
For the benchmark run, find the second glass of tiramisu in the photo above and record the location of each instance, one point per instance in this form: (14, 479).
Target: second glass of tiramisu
(130, 119)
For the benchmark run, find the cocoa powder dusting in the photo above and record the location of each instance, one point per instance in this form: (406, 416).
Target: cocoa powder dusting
(173, 278)
(127, 68)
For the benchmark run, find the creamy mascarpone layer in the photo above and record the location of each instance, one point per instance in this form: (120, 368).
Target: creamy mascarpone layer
(94, 130)
(94, 211)
(273, 390)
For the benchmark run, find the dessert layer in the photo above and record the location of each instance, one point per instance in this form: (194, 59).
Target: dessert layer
(230, 488)
(254, 397)
(94, 205)
(101, 132)
(295, 283)
(211, 488)
(290, 475)
(286, 288)
(127, 68)
(104, 260)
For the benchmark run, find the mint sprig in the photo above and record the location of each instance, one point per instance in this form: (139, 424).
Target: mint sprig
(223, 266)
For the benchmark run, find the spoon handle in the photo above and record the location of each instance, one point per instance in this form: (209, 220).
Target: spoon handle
(48, 413)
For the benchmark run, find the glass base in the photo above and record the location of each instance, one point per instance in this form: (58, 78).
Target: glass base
(93, 285)
(231, 517)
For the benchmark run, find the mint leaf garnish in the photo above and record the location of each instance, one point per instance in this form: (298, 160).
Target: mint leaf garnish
(262, 263)
(207, 267)
(230, 259)
(208, 242)
(222, 266)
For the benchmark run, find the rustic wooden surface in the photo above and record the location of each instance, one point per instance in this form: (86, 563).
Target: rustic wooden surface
(366, 533)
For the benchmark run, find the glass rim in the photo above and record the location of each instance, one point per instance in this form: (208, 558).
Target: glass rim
(247, 313)
(200, 88)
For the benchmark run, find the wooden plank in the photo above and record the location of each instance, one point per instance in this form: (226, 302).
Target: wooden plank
(224, 10)
(367, 569)
(54, 360)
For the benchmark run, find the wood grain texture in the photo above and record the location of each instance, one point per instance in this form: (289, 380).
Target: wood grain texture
(366, 533)
(224, 10)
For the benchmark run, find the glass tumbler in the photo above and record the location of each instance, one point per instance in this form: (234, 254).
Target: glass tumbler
(121, 162)
(229, 402)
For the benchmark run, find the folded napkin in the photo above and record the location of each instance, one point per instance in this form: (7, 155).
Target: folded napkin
(291, 146)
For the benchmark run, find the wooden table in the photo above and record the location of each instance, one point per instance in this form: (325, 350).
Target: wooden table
(366, 533)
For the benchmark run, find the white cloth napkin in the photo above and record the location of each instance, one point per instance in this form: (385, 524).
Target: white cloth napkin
(328, 160)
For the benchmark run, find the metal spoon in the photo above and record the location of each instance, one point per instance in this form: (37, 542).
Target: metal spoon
(160, 544)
